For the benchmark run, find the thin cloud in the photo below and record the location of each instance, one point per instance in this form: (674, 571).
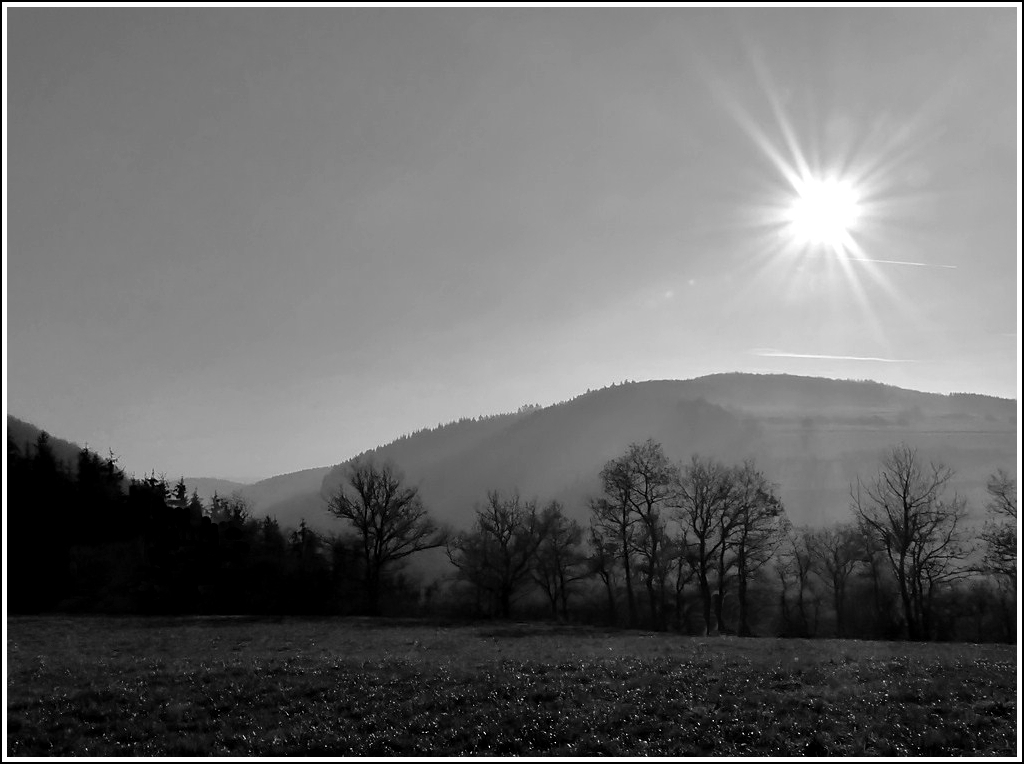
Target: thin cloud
(899, 262)
(766, 353)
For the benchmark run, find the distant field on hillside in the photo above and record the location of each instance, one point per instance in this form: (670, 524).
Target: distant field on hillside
(241, 686)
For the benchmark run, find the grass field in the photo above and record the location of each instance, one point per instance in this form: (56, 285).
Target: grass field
(238, 686)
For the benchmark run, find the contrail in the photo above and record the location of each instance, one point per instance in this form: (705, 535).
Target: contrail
(896, 262)
(779, 354)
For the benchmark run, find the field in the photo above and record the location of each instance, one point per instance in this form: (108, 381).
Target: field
(336, 687)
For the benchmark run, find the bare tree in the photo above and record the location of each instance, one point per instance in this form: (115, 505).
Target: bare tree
(704, 495)
(603, 562)
(682, 573)
(651, 478)
(905, 510)
(878, 571)
(725, 559)
(388, 518)
(559, 562)
(498, 555)
(837, 551)
(613, 524)
(758, 527)
(1000, 537)
(794, 566)
(1000, 534)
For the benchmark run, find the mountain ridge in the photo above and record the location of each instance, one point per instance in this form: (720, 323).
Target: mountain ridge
(811, 435)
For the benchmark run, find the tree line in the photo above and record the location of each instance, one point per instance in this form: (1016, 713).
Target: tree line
(704, 547)
(88, 538)
(697, 547)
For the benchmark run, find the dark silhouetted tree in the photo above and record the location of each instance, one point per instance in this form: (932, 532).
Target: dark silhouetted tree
(233, 509)
(799, 602)
(559, 563)
(604, 563)
(682, 574)
(614, 525)
(195, 506)
(180, 492)
(388, 518)
(704, 497)
(651, 481)
(836, 553)
(905, 510)
(758, 523)
(1000, 537)
(1000, 534)
(877, 571)
(497, 556)
(628, 524)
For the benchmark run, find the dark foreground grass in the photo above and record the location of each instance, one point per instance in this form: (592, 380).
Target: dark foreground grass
(191, 687)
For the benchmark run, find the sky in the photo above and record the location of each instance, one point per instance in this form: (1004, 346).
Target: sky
(242, 242)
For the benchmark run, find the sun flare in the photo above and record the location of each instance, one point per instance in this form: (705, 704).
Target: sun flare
(824, 211)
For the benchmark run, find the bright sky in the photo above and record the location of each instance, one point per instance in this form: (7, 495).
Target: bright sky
(245, 242)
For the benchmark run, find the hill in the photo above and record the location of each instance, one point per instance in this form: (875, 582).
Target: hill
(287, 497)
(23, 435)
(811, 436)
(206, 487)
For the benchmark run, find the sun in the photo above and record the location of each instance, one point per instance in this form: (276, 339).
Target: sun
(824, 211)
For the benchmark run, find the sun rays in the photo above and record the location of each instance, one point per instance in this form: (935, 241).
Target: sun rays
(827, 228)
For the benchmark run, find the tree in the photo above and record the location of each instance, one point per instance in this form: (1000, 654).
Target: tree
(603, 562)
(682, 574)
(388, 518)
(304, 542)
(233, 510)
(558, 562)
(638, 488)
(794, 565)
(39, 495)
(613, 527)
(1000, 534)
(99, 498)
(308, 584)
(758, 525)
(497, 556)
(195, 505)
(704, 496)
(837, 551)
(904, 509)
(218, 511)
(181, 491)
(651, 480)
(724, 559)
(878, 572)
(1000, 537)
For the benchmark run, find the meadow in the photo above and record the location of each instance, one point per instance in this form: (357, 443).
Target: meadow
(91, 686)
